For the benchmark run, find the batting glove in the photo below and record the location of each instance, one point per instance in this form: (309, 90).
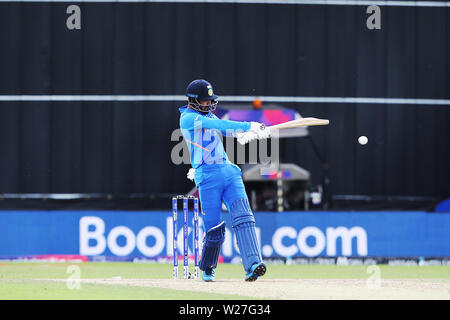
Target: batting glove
(265, 133)
(257, 127)
(191, 174)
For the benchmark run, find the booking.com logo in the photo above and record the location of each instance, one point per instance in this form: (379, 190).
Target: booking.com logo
(285, 241)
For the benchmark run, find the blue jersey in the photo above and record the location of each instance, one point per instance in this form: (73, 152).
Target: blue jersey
(202, 135)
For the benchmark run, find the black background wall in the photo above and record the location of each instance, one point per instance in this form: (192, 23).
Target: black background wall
(243, 49)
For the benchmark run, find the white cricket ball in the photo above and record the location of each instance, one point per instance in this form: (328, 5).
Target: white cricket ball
(363, 140)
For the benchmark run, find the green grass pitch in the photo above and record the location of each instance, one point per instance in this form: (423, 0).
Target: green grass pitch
(24, 280)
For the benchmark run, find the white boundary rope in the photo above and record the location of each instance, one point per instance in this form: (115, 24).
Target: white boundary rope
(274, 2)
(285, 99)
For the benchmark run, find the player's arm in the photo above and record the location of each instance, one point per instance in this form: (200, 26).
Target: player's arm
(195, 121)
(225, 126)
(232, 133)
(242, 130)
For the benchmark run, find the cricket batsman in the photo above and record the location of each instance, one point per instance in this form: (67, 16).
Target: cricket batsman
(218, 180)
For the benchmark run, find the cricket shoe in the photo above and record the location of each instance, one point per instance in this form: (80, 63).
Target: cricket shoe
(257, 270)
(208, 275)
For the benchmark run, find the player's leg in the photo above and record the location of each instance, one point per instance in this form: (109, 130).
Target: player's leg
(214, 227)
(243, 222)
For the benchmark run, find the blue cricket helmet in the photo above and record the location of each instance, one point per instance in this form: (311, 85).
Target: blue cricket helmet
(201, 90)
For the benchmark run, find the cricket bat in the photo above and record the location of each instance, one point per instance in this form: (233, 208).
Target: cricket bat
(304, 122)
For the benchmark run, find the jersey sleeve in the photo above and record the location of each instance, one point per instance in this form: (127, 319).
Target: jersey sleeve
(194, 121)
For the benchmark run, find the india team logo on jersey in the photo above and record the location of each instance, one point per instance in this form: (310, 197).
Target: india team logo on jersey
(210, 91)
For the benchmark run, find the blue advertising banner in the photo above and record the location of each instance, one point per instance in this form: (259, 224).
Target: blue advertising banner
(289, 234)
